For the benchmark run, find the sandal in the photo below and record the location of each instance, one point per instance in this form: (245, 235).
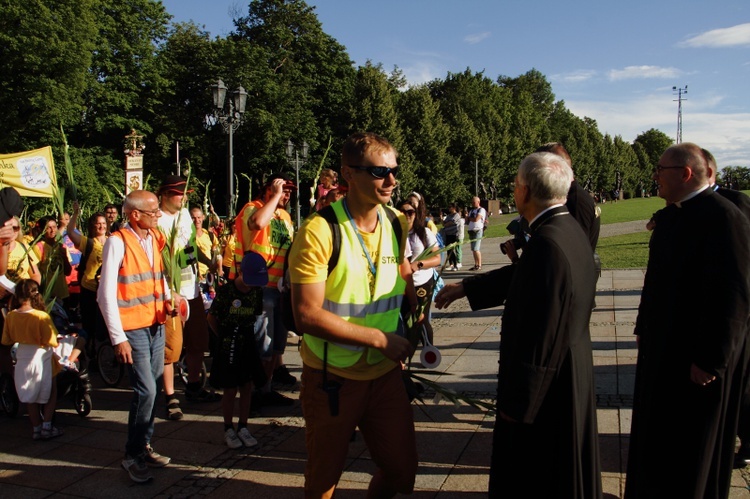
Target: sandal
(174, 413)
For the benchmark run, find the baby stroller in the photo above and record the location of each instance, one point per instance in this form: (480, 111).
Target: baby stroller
(73, 382)
(8, 396)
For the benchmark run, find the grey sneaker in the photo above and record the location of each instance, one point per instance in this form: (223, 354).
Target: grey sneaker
(137, 469)
(53, 432)
(154, 459)
(230, 437)
(247, 438)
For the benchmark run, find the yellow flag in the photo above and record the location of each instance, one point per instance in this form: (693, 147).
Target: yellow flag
(32, 173)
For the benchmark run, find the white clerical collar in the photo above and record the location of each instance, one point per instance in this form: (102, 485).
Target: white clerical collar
(544, 211)
(691, 196)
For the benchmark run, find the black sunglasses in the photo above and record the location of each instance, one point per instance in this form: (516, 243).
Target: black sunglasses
(377, 171)
(408, 213)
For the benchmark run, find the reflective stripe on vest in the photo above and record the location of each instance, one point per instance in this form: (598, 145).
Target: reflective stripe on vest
(140, 288)
(272, 242)
(348, 295)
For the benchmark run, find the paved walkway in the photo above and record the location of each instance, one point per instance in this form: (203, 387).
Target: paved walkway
(454, 442)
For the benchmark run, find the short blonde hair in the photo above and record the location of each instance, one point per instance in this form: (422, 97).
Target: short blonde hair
(360, 143)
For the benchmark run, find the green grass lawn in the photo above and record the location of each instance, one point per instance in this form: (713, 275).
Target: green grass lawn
(626, 251)
(616, 252)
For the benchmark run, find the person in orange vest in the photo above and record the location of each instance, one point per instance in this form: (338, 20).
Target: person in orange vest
(135, 301)
(265, 227)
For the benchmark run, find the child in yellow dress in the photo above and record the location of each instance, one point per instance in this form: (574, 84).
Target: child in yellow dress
(32, 328)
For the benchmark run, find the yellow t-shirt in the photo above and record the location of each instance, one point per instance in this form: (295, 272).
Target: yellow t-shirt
(88, 279)
(308, 264)
(209, 248)
(29, 328)
(18, 262)
(228, 256)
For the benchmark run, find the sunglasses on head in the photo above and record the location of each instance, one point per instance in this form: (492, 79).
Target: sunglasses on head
(377, 171)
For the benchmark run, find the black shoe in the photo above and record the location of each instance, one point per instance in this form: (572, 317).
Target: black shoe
(282, 376)
(275, 399)
(202, 396)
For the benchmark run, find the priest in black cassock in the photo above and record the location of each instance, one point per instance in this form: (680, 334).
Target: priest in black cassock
(692, 332)
(546, 408)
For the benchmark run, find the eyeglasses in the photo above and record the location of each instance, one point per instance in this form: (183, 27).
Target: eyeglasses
(380, 172)
(660, 168)
(15, 228)
(151, 213)
(408, 213)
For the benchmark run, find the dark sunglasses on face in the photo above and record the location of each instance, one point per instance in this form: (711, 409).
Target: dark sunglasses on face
(15, 228)
(380, 172)
(408, 213)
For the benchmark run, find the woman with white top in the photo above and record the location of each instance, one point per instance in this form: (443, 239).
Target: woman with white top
(423, 273)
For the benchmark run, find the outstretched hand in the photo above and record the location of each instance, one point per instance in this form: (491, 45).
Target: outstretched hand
(449, 294)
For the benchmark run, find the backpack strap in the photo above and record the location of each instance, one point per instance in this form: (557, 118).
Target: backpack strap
(330, 216)
(86, 253)
(397, 229)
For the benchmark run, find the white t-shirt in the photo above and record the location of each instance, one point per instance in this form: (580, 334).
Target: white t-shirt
(421, 276)
(479, 224)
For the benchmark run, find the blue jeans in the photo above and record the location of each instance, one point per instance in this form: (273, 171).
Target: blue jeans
(146, 374)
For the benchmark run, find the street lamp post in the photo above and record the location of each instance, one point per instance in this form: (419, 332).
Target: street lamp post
(230, 117)
(292, 154)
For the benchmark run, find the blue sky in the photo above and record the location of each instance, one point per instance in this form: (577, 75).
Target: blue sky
(615, 62)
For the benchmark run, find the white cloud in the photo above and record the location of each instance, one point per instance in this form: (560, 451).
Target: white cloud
(475, 38)
(726, 135)
(577, 76)
(631, 72)
(422, 72)
(736, 36)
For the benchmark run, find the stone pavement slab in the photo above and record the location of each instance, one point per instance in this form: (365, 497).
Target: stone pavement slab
(454, 442)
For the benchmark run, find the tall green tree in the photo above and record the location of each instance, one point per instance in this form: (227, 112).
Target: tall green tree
(634, 183)
(125, 82)
(45, 52)
(436, 172)
(654, 143)
(187, 61)
(304, 85)
(478, 112)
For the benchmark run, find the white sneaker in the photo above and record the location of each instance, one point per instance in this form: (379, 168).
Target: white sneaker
(230, 437)
(247, 439)
(458, 265)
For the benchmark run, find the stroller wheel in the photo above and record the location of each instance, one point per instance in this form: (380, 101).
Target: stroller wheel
(181, 373)
(83, 406)
(110, 370)
(8, 396)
